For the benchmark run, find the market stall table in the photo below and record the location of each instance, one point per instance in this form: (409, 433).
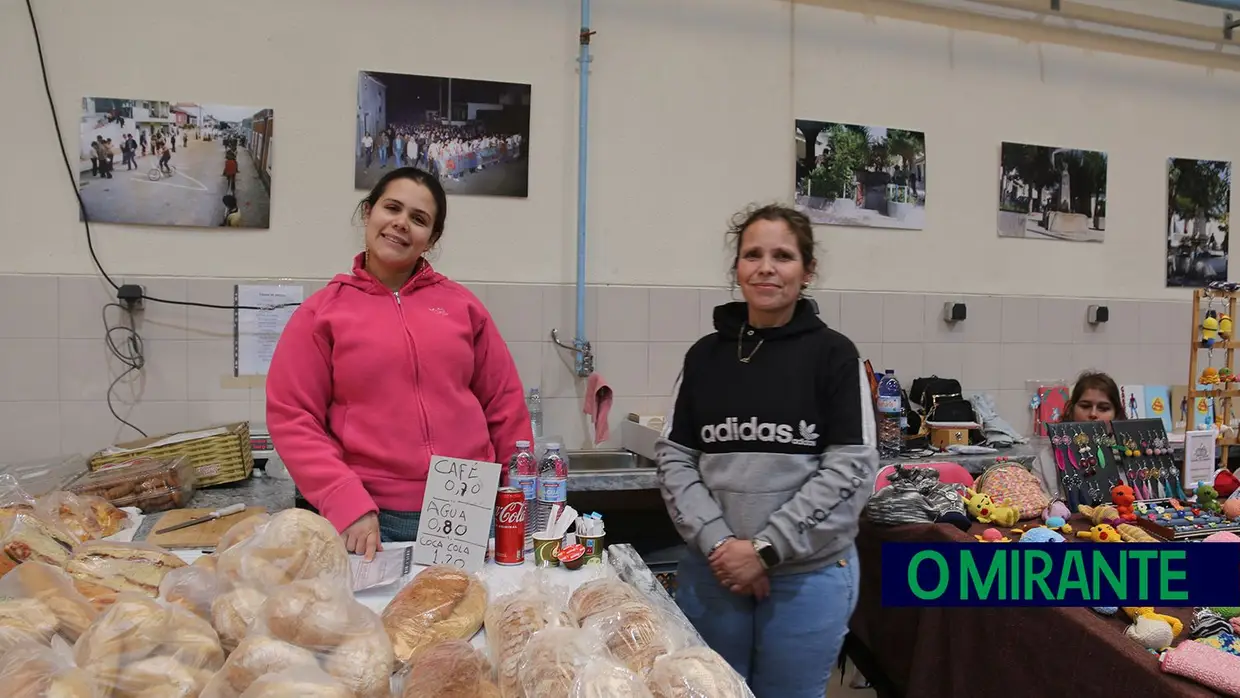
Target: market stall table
(928, 652)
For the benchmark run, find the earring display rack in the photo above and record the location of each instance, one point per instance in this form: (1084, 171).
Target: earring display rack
(1091, 458)
(1224, 385)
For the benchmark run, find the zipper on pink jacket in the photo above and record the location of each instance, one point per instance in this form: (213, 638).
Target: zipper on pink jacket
(417, 382)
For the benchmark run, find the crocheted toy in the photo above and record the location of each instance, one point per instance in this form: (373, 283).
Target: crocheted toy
(1153, 631)
(1226, 612)
(1123, 497)
(992, 535)
(1056, 508)
(984, 509)
(1041, 534)
(1134, 534)
(1207, 623)
(1207, 499)
(1106, 610)
(1105, 514)
(1102, 533)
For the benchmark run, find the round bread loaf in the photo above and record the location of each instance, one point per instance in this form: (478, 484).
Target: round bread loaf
(452, 669)
(313, 614)
(295, 544)
(364, 663)
(241, 531)
(441, 603)
(232, 614)
(255, 657)
(50, 585)
(695, 672)
(634, 634)
(604, 678)
(598, 596)
(303, 682)
(552, 661)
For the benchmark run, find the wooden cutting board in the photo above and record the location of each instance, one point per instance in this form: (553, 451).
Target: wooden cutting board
(205, 535)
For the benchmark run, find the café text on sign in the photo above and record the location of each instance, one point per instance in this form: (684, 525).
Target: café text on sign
(456, 513)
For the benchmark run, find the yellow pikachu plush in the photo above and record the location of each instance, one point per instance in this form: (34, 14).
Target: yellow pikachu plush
(984, 509)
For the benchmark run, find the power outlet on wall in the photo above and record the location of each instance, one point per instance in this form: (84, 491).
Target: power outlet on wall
(130, 297)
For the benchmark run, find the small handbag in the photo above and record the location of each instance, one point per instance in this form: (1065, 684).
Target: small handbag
(915, 495)
(1210, 667)
(1011, 484)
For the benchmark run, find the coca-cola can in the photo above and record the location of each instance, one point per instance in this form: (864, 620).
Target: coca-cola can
(510, 515)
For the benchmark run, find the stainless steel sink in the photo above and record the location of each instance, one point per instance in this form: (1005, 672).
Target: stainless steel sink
(607, 461)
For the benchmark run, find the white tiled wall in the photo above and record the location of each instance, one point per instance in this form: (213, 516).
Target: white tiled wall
(56, 369)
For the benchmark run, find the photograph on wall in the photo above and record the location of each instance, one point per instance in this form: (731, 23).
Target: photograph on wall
(1198, 221)
(1048, 193)
(152, 162)
(473, 134)
(867, 176)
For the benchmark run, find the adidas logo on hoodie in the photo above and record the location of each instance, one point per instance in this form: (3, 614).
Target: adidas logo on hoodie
(733, 429)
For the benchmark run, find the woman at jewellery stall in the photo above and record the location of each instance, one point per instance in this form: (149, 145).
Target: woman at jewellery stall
(765, 465)
(384, 368)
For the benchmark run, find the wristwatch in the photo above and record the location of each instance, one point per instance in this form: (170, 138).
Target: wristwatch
(766, 553)
(719, 543)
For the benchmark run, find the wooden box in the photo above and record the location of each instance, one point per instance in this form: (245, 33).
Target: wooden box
(944, 435)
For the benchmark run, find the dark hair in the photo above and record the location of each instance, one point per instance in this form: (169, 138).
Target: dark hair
(1095, 380)
(796, 221)
(422, 177)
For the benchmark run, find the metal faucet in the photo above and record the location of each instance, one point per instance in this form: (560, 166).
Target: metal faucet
(583, 363)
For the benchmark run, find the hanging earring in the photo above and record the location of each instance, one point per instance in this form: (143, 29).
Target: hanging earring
(732, 292)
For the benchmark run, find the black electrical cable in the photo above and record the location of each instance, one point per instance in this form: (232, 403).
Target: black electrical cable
(90, 243)
(126, 345)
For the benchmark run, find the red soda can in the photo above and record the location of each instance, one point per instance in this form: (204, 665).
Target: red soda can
(510, 514)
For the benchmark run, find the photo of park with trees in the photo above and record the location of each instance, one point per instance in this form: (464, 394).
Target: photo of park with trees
(1050, 193)
(1198, 212)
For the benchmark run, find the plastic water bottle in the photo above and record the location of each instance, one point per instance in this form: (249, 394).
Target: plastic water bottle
(890, 414)
(523, 474)
(533, 402)
(552, 487)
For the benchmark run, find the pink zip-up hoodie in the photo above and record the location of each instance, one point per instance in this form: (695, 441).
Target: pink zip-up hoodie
(365, 385)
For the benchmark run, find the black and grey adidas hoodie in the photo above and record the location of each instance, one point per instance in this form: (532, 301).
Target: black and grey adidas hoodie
(781, 448)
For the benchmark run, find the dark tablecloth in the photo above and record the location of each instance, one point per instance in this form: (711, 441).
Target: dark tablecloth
(1001, 652)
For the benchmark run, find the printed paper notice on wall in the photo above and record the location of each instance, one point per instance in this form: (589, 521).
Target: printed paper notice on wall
(256, 332)
(456, 513)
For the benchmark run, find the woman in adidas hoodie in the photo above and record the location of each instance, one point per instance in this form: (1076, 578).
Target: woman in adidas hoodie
(766, 462)
(385, 367)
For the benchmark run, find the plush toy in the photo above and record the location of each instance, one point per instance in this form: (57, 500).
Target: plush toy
(1102, 533)
(1123, 497)
(1134, 534)
(1056, 508)
(984, 509)
(1225, 483)
(1207, 499)
(1041, 534)
(1207, 623)
(1152, 630)
(1105, 514)
(1106, 610)
(992, 535)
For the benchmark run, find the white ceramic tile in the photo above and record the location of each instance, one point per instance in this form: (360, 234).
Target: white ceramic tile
(903, 317)
(518, 313)
(1124, 323)
(210, 323)
(30, 430)
(478, 289)
(559, 308)
(161, 320)
(861, 317)
(1091, 357)
(674, 314)
(208, 364)
(258, 408)
(89, 426)
(1159, 365)
(30, 369)
(666, 361)
(563, 418)
(936, 330)
(905, 359)
(982, 367)
(872, 352)
(626, 366)
(1058, 319)
(708, 300)
(29, 307)
(1020, 320)
(623, 314)
(1124, 363)
(559, 379)
(1017, 365)
(81, 300)
(1159, 324)
(984, 321)
(528, 358)
(828, 307)
(945, 360)
(1056, 362)
(1013, 406)
(217, 412)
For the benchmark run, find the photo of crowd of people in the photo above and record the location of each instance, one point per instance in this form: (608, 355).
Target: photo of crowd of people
(473, 134)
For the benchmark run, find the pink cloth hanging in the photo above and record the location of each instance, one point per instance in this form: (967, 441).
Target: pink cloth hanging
(598, 406)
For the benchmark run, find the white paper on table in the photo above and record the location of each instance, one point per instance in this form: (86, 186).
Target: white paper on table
(456, 513)
(256, 332)
(1198, 457)
(388, 567)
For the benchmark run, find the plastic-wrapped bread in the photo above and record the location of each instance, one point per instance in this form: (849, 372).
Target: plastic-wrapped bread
(233, 612)
(293, 545)
(142, 647)
(600, 595)
(122, 567)
(511, 620)
(301, 682)
(35, 671)
(255, 657)
(635, 633)
(553, 659)
(604, 677)
(30, 537)
(48, 588)
(696, 672)
(241, 531)
(192, 588)
(452, 669)
(441, 603)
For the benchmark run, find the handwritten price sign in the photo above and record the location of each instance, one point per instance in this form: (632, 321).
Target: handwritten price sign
(456, 513)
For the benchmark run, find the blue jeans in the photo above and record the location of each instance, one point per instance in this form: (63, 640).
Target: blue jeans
(785, 645)
(399, 526)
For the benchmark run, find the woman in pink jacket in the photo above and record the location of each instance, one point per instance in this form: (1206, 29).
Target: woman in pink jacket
(386, 367)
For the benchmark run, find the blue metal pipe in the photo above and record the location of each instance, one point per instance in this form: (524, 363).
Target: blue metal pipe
(1221, 4)
(583, 361)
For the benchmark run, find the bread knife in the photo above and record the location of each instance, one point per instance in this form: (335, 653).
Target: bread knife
(217, 514)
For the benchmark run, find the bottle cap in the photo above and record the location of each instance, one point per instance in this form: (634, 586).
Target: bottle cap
(523, 444)
(553, 446)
